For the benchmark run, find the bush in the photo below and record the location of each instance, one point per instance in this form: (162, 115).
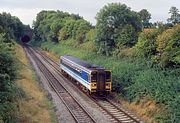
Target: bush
(146, 45)
(8, 88)
(11, 28)
(127, 36)
(169, 47)
(75, 29)
(90, 36)
(123, 72)
(147, 82)
(160, 86)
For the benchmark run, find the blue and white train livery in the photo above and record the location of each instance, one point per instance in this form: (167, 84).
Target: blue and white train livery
(93, 78)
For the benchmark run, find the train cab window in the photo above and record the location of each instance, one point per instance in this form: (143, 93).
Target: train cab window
(108, 76)
(94, 77)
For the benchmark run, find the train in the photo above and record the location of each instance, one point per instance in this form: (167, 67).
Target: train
(91, 78)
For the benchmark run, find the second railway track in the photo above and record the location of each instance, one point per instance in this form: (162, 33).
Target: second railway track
(114, 112)
(78, 112)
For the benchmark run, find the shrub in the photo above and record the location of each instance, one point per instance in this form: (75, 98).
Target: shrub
(90, 36)
(147, 82)
(126, 36)
(160, 86)
(146, 44)
(8, 88)
(169, 47)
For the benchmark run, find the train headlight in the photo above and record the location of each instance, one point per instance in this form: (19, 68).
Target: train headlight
(108, 85)
(93, 84)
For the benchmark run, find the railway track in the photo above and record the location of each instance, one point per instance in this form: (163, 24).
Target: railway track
(78, 112)
(114, 112)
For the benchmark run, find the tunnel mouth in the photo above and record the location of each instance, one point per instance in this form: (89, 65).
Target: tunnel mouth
(25, 39)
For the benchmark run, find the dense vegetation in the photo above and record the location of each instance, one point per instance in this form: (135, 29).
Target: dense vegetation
(11, 29)
(54, 26)
(145, 62)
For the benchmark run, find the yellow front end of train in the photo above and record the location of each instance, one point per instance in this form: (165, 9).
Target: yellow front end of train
(100, 81)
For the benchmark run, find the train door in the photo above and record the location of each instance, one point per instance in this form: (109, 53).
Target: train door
(101, 81)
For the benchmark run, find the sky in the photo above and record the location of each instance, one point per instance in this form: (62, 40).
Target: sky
(26, 10)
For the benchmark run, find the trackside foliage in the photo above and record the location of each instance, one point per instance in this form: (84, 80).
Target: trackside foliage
(11, 29)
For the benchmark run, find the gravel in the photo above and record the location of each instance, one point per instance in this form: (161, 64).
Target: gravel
(62, 113)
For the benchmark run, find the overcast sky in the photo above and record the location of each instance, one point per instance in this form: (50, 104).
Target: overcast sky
(26, 10)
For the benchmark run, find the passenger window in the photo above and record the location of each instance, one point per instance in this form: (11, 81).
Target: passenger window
(108, 75)
(94, 77)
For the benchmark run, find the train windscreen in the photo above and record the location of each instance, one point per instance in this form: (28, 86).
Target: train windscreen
(94, 77)
(108, 76)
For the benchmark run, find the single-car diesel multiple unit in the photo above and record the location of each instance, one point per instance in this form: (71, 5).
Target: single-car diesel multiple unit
(92, 78)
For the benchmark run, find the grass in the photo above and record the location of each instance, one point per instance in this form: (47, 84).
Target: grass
(35, 107)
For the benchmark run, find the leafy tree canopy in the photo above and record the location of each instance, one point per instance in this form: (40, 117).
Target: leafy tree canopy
(49, 23)
(169, 47)
(11, 26)
(113, 21)
(145, 17)
(146, 44)
(175, 15)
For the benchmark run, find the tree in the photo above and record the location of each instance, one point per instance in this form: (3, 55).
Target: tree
(47, 25)
(175, 16)
(11, 29)
(83, 27)
(75, 29)
(11, 26)
(112, 21)
(90, 35)
(169, 47)
(126, 36)
(146, 45)
(145, 17)
(7, 77)
(68, 29)
(54, 26)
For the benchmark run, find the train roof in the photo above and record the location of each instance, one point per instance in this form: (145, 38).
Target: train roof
(83, 63)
